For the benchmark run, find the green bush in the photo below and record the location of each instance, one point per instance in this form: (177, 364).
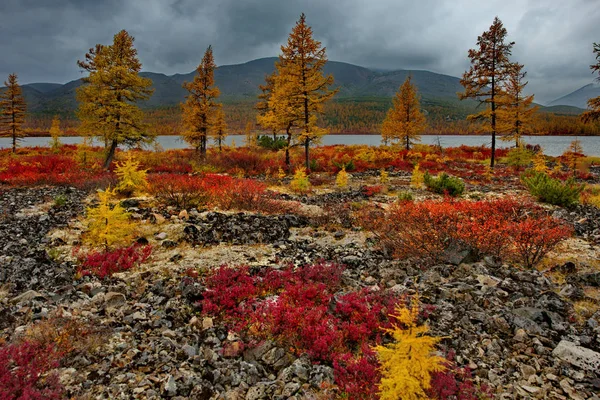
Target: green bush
(552, 191)
(444, 184)
(519, 157)
(267, 142)
(405, 196)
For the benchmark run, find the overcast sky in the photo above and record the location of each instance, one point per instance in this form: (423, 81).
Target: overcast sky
(41, 40)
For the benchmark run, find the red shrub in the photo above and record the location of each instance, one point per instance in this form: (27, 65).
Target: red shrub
(301, 309)
(25, 372)
(106, 263)
(358, 375)
(47, 170)
(515, 229)
(222, 191)
(371, 190)
(182, 191)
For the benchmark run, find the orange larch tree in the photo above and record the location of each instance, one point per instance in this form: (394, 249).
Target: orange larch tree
(12, 111)
(200, 103)
(515, 111)
(405, 121)
(489, 69)
(107, 99)
(301, 85)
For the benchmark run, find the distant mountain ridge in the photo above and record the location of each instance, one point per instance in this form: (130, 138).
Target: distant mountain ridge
(240, 82)
(579, 97)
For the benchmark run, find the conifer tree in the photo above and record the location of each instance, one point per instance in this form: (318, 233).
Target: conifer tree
(108, 225)
(250, 136)
(408, 362)
(200, 103)
(300, 83)
(515, 110)
(55, 133)
(12, 111)
(219, 128)
(107, 99)
(282, 114)
(265, 117)
(489, 69)
(593, 114)
(405, 120)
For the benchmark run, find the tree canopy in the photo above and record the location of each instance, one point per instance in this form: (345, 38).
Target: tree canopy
(107, 99)
(405, 121)
(12, 111)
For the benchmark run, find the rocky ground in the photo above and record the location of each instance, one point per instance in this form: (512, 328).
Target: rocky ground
(520, 332)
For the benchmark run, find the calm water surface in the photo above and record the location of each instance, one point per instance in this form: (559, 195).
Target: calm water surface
(552, 145)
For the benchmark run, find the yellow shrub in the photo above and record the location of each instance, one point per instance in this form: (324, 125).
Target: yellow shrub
(108, 226)
(131, 178)
(341, 180)
(280, 174)
(539, 163)
(384, 177)
(417, 177)
(407, 364)
(300, 183)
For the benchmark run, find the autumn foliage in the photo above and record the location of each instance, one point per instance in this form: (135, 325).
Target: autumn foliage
(26, 372)
(105, 263)
(12, 111)
(511, 228)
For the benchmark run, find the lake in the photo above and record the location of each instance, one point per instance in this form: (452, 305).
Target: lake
(552, 145)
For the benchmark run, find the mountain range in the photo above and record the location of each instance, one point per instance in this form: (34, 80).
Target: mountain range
(239, 83)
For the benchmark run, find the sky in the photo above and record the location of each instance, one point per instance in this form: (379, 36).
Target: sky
(41, 40)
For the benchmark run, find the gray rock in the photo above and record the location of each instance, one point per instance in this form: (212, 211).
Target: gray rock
(171, 386)
(114, 299)
(27, 296)
(160, 236)
(578, 356)
(190, 351)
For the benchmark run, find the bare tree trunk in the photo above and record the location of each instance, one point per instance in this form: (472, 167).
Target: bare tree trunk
(306, 144)
(110, 155)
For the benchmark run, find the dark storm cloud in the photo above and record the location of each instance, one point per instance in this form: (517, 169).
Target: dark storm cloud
(41, 40)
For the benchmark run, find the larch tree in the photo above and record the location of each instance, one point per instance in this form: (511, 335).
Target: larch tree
(218, 129)
(200, 103)
(593, 114)
(300, 83)
(55, 133)
(107, 100)
(265, 117)
(280, 113)
(12, 111)
(250, 135)
(515, 110)
(489, 69)
(405, 121)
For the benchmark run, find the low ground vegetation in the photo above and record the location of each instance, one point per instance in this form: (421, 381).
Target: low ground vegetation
(238, 258)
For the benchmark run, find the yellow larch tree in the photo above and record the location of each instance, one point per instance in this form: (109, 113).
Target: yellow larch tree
(408, 362)
(12, 111)
(405, 121)
(281, 113)
(107, 99)
(200, 103)
(265, 116)
(108, 225)
(489, 69)
(250, 136)
(593, 112)
(515, 110)
(55, 133)
(301, 85)
(218, 129)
